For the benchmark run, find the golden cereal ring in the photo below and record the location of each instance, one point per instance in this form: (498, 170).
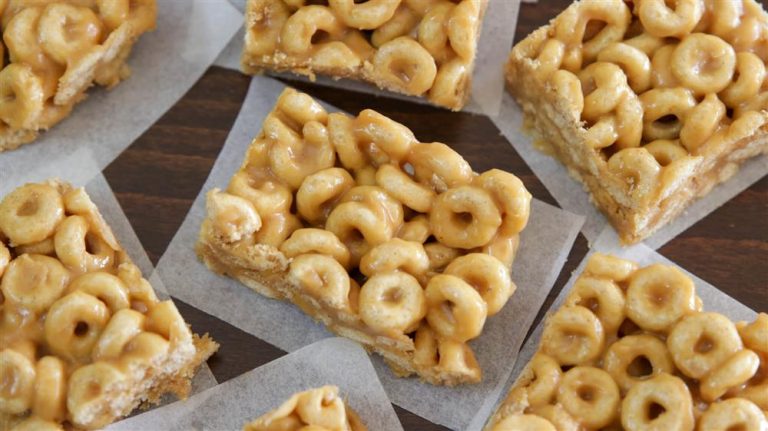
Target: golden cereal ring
(557, 416)
(458, 358)
(589, 395)
(455, 310)
(568, 86)
(662, 21)
(749, 76)
(300, 107)
(545, 380)
(276, 228)
(701, 342)
(113, 12)
(320, 191)
(396, 254)
(749, 35)
(233, 218)
(704, 63)
(390, 210)
(392, 302)
(602, 297)
(524, 422)
(364, 16)
(658, 296)
(661, 70)
(299, 29)
(31, 213)
(666, 151)
(720, 18)
(571, 27)
(342, 136)
(550, 57)
(262, 189)
(608, 266)
(658, 105)
(634, 62)
(487, 275)
(405, 65)
(702, 122)
(18, 382)
(646, 42)
(510, 196)
(164, 319)
(34, 282)
(732, 373)
(74, 239)
(67, 32)
(21, 96)
(318, 241)
(400, 185)
(433, 31)
(35, 423)
(638, 169)
(50, 389)
(120, 330)
(264, 20)
(401, 24)
(733, 414)
(322, 408)
(636, 358)
(77, 201)
(384, 135)
(439, 166)
(322, 277)
(668, 394)
(73, 325)
(464, 217)
(440, 255)
(359, 227)
(425, 352)
(604, 85)
(294, 158)
(5, 258)
(146, 349)
(462, 29)
(106, 287)
(755, 334)
(451, 83)
(416, 230)
(90, 388)
(573, 335)
(503, 248)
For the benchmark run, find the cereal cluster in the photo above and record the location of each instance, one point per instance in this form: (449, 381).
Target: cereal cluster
(57, 49)
(658, 85)
(429, 240)
(632, 349)
(416, 47)
(82, 333)
(320, 409)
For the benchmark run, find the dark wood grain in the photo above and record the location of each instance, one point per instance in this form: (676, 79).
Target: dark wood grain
(157, 178)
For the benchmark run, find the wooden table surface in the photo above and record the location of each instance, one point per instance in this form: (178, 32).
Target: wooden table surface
(157, 178)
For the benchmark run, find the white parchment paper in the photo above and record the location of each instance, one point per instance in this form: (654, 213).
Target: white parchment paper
(227, 407)
(713, 299)
(164, 64)
(498, 32)
(545, 244)
(570, 194)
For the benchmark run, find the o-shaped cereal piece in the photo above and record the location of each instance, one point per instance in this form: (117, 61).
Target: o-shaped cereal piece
(266, 19)
(733, 414)
(425, 352)
(293, 159)
(298, 30)
(524, 422)
(323, 278)
(573, 335)
(604, 86)
(702, 122)
(342, 135)
(457, 359)
(34, 282)
(462, 29)
(144, 350)
(318, 241)
(233, 218)
(464, 217)
(755, 334)
(734, 372)
(503, 248)
(451, 83)
(359, 227)
(608, 266)
(415, 229)
(402, 22)
(487, 275)
(66, 32)
(701, 342)
(658, 296)
(364, 16)
(50, 389)
(666, 151)
(398, 184)
(18, 382)
(571, 27)
(276, 228)
(320, 191)
(661, 21)
(300, 107)
(21, 96)
(396, 254)
(550, 57)
(602, 297)
(510, 196)
(557, 416)
(392, 302)
(73, 325)
(379, 200)
(262, 189)
(589, 395)
(121, 329)
(661, 103)
(389, 136)
(636, 358)
(439, 166)
(638, 169)
(568, 87)
(165, 319)
(635, 64)
(662, 402)
(432, 32)
(113, 12)
(74, 241)
(751, 74)
(322, 408)
(704, 63)
(403, 64)
(545, 379)
(104, 286)
(31, 213)
(90, 388)
(456, 310)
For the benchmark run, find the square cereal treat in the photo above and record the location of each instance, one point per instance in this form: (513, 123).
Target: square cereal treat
(649, 107)
(57, 49)
(83, 338)
(320, 409)
(415, 47)
(391, 242)
(632, 349)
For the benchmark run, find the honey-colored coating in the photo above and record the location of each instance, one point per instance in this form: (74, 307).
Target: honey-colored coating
(431, 241)
(677, 368)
